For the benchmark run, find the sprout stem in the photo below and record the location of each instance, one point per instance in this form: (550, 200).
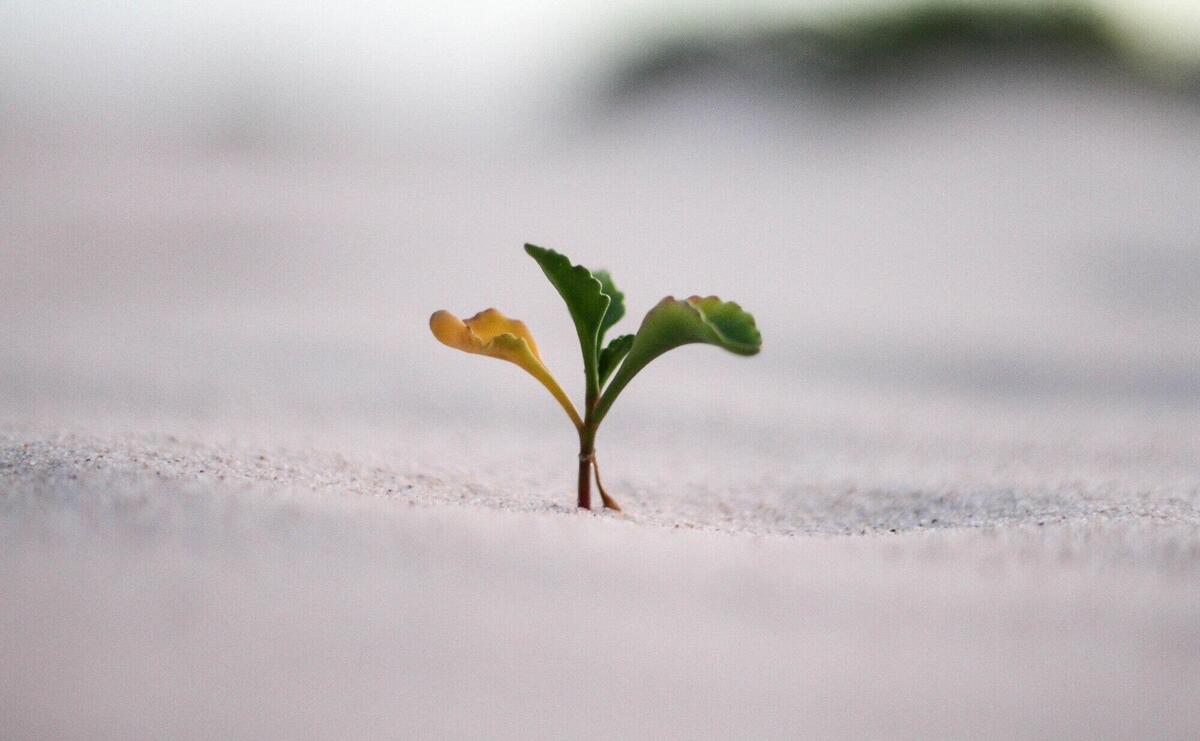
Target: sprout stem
(585, 480)
(587, 452)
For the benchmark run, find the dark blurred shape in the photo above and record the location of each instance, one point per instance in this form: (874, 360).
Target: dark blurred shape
(862, 53)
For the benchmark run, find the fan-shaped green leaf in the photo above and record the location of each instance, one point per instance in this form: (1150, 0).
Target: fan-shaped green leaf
(611, 356)
(616, 305)
(673, 323)
(585, 299)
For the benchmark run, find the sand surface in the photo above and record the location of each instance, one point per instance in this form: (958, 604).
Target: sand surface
(243, 494)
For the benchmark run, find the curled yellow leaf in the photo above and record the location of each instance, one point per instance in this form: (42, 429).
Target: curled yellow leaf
(491, 333)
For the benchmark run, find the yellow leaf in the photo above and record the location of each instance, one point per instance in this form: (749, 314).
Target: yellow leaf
(491, 333)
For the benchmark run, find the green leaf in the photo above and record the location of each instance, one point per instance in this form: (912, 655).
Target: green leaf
(673, 323)
(586, 301)
(611, 356)
(616, 305)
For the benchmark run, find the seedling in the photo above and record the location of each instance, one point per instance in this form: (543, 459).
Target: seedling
(596, 305)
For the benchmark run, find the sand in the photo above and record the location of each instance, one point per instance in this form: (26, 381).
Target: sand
(167, 588)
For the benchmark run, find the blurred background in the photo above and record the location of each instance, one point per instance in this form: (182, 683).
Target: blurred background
(246, 211)
(969, 233)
